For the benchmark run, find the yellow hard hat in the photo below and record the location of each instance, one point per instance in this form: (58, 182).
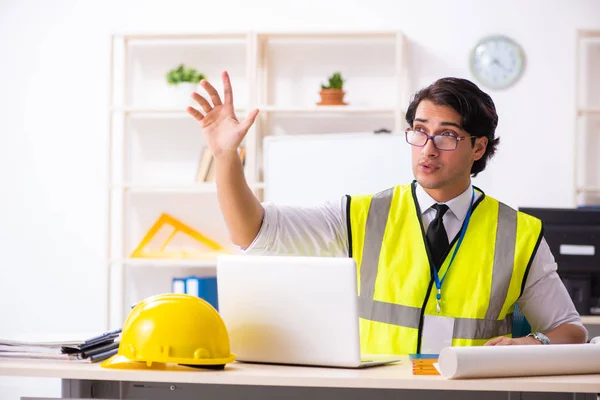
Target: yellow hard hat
(172, 329)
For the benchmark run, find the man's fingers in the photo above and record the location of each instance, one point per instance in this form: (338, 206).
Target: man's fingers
(195, 113)
(227, 91)
(500, 341)
(249, 120)
(493, 342)
(214, 95)
(202, 101)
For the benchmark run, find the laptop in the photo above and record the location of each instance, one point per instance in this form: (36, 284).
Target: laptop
(292, 310)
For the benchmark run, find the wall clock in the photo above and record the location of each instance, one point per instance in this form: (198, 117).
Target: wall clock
(497, 62)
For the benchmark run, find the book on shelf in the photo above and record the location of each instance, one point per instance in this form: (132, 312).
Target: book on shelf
(211, 174)
(206, 166)
(242, 152)
(204, 287)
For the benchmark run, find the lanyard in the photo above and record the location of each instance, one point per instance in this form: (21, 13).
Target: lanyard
(438, 282)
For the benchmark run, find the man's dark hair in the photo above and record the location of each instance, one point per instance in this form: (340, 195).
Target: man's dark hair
(476, 107)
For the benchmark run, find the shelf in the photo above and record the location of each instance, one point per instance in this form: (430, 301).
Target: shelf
(588, 111)
(591, 40)
(589, 33)
(325, 35)
(166, 263)
(590, 319)
(156, 145)
(241, 36)
(206, 187)
(187, 41)
(161, 112)
(588, 189)
(156, 38)
(328, 110)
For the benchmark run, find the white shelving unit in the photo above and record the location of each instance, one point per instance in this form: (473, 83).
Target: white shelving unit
(587, 138)
(155, 146)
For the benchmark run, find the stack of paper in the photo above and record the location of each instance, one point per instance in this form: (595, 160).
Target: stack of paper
(94, 349)
(24, 349)
(422, 364)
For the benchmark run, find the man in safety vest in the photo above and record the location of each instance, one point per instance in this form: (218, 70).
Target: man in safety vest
(439, 262)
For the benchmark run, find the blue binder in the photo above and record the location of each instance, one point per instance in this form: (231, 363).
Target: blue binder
(178, 285)
(203, 287)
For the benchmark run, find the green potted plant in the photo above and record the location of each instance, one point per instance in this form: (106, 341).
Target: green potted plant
(332, 93)
(183, 74)
(184, 80)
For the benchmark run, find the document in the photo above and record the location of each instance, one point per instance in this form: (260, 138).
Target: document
(92, 349)
(522, 360)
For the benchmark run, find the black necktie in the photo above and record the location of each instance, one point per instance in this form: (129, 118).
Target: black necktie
(436, 235)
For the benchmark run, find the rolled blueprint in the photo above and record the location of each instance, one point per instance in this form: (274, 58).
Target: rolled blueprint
(522, 360)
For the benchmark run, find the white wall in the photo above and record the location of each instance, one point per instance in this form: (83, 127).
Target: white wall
(53, 120)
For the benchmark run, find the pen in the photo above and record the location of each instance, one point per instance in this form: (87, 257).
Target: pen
(100, 349)
(102, 336)
(103, 356)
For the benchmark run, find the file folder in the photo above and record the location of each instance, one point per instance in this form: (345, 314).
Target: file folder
(203, 287)
(178, 285)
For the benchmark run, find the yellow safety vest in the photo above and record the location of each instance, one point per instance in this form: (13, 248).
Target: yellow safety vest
(387, 240)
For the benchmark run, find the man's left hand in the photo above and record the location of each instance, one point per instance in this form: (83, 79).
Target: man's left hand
(506, 341)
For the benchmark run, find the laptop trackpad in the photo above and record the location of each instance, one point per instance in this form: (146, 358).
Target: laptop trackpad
(437, 334)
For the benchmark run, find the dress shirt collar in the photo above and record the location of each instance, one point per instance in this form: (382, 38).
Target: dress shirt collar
(458, 205)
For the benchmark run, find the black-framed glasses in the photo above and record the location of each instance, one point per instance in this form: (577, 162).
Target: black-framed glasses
(444, 141)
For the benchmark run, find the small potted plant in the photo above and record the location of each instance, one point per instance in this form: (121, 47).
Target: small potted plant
(332, 94)
(184, 80)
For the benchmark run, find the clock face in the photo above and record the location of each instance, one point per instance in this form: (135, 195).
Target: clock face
(497, 62)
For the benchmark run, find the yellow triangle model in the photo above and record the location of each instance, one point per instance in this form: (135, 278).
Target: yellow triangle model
(171, 238)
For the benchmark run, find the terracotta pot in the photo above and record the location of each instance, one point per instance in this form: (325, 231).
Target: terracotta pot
(332, 97)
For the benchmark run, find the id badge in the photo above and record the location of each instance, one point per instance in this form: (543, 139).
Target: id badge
(437, 334)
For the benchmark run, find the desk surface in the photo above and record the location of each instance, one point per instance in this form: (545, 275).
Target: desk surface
(590, 319)
(394, 376)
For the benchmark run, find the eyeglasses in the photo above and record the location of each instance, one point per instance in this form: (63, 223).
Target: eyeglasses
(444, 141)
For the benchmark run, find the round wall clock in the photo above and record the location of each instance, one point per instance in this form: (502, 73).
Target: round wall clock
(497, 62)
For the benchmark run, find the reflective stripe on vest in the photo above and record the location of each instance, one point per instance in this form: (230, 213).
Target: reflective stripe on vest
(406, 316)
(464, 328)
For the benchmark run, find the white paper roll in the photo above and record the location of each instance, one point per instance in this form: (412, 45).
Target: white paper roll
(523, 360)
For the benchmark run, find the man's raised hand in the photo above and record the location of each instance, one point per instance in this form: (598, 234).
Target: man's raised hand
(220, 126)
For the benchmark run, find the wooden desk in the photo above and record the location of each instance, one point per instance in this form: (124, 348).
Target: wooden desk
(395, 377)
(590, 319)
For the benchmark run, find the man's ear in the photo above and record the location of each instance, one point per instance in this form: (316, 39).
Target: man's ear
(479, 148)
